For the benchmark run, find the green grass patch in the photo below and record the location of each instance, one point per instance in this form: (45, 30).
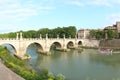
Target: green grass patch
(21, 68)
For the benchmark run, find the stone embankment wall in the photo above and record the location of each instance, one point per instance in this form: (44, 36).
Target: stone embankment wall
(115, 43)
(91, 43)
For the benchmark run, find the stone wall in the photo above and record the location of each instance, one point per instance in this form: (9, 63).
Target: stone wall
(115, 43)
(91, 43)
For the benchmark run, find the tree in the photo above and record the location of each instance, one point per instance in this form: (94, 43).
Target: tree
(92, 33)
(110, 34)
(52, 33)
(43, 32)
(30, 34)
(70, 31)
(98, 34)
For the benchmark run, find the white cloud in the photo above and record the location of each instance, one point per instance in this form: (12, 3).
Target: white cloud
(107, 3)
(111, 19)
(14, 10)
(8, 28)
(100, 2)
(73, 2)
(77, 3)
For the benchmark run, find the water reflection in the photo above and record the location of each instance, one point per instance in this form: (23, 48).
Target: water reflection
(10, 48)
(109, 60)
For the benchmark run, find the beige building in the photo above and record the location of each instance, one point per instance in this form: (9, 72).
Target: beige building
(114, 27)
(83, 33)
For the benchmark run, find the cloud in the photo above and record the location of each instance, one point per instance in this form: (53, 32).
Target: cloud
(105, 3)
(77, 3)
(112, 18)
(15, 10)
(100, 2)
(8, 28)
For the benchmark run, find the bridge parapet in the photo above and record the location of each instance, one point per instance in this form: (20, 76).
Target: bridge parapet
(33, 39)
(36, 38)
(55, 39)
(8, 39)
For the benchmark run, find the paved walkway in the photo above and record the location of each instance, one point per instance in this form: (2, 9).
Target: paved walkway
(7, 74)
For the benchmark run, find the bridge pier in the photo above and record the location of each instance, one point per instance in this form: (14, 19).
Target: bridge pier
(76, 43)
(21, 51)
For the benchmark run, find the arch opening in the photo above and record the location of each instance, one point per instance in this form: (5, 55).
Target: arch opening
(10, 48)
(55, 46)
(80, 43)
(70, 45)
(34, 48)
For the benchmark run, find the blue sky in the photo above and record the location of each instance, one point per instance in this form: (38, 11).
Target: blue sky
(25, 15)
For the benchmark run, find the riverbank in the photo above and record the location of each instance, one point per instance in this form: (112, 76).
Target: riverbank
(4, 71)
(23, 69)
(114, 44)
(88, 47)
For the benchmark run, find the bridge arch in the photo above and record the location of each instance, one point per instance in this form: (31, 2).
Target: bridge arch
(80, 43)
(38, 46)
(70, 44)
(55, 45)
(10, 47)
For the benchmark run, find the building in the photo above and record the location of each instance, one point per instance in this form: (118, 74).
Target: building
(114, 27)
(83, 33)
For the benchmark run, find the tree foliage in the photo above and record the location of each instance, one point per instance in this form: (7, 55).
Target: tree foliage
(100, 34)
(52, 33)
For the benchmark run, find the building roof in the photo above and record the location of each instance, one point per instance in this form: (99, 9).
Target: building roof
(111, 27)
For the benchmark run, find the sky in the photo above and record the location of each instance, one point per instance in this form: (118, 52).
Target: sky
(16, 15)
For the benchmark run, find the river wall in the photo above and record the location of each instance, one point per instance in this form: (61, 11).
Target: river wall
(91, 43)
(115, 43)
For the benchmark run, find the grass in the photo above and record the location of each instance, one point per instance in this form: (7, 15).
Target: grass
(22, 69)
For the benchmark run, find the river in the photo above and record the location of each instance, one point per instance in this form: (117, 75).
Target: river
(76, 65)
(88, 65)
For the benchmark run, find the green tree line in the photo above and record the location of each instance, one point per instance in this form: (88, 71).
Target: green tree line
(101, 34)
(52, 33)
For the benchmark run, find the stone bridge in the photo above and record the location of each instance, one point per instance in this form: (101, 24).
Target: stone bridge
(21, 44)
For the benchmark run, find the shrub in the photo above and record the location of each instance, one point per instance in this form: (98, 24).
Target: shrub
(22, 69)
(60, 77)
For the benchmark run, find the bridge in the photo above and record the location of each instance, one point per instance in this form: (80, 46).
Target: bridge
(21, 44)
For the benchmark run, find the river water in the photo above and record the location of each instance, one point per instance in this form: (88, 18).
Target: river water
(76, 65)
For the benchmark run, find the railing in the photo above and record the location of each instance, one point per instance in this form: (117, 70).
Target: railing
(8, 39)
(33, 39)
(36, 38)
